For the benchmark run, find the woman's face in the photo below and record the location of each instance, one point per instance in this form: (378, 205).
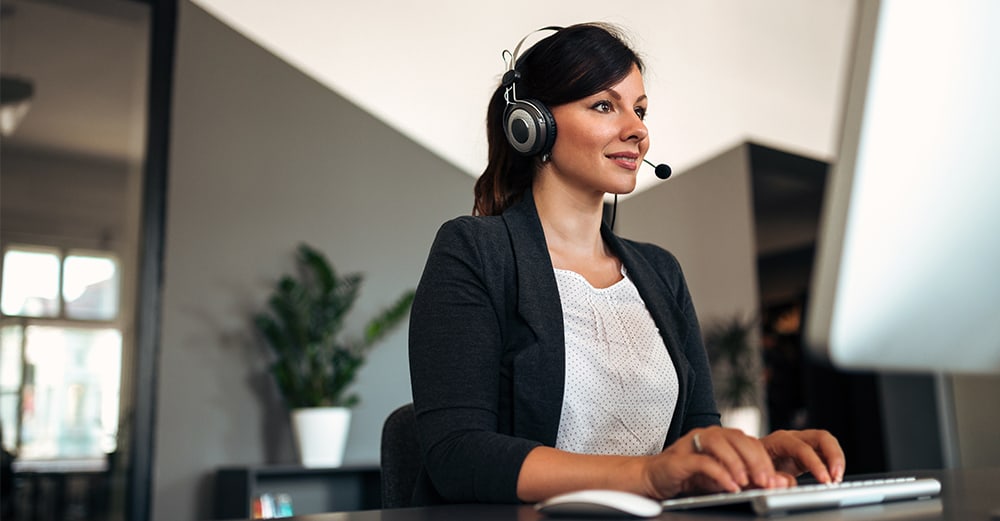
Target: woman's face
(601, 139)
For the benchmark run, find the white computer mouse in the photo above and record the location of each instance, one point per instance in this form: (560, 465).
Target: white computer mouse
(608, 503)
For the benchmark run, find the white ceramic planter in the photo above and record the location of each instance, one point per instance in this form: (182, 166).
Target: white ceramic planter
(321, 435)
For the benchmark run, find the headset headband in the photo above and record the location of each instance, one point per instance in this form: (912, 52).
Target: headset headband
(528, 124)
(512, 75)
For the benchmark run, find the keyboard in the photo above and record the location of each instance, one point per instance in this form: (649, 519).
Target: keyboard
(814, 497)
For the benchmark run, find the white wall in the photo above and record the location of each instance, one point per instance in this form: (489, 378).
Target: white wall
(262, 158)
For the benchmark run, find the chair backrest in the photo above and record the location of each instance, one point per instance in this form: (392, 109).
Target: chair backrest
(401, 459)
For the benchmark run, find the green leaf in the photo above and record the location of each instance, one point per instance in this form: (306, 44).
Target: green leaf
(388, 319)
(735, 368)
(318, 269)
(304, 319)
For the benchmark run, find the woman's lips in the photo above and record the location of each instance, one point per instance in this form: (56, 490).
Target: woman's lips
(626, 160)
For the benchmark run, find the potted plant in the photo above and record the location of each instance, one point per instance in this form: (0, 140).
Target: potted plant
(312, 364)
(736, 371)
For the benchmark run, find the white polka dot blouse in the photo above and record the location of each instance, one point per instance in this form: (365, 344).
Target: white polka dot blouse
(621, 387)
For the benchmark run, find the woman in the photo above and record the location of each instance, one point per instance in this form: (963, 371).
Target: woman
(546, 353)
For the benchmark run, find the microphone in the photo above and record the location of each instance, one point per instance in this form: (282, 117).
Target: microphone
(663, 170)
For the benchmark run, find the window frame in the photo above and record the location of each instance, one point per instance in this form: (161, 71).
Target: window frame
(61, 320)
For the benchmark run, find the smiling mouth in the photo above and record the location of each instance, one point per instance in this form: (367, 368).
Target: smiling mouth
(628, 161)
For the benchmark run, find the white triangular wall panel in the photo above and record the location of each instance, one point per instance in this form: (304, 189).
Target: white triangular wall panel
(719, 72)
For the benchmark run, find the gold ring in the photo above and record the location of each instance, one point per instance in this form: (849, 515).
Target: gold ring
(697, 443)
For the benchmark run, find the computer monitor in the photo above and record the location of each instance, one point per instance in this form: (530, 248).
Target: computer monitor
(907, 270)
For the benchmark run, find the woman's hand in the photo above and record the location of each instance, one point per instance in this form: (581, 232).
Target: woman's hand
(714, 459)
(815, 451)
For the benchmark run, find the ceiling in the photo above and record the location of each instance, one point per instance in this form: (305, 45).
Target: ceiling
(719, 72)
(88, 62)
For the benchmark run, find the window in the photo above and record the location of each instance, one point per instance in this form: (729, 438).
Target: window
(60, 352)
(31, 283)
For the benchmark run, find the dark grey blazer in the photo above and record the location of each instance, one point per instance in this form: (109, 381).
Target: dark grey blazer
(487, 350)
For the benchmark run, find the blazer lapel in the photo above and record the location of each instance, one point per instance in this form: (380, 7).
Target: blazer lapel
(659, 300)
(538, 294)
(540, 366)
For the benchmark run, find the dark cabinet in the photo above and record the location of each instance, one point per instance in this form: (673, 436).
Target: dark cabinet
(309, 490)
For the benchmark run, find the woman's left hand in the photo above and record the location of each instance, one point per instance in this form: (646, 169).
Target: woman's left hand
(815, 451)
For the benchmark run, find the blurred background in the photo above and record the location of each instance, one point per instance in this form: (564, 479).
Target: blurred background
(172, 156)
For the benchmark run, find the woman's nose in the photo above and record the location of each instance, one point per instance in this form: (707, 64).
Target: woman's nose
(635, 129)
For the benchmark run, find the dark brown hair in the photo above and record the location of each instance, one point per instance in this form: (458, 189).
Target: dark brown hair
(575, 62)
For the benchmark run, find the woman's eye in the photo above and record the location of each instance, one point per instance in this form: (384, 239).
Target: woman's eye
(602, 106)
(641, 112)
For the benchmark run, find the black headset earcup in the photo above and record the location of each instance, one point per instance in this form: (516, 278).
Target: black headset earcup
(530, 127)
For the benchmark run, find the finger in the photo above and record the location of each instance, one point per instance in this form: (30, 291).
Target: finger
(784, 480)
(679, 469)
(756, 460)
(832, 453)
(717, 475)
(746, 458)
(715, 443)
(807, 458)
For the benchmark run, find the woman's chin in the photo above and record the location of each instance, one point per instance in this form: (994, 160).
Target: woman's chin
(622, 188)
(609, 195)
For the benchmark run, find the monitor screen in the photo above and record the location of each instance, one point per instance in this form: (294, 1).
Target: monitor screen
(907, 272)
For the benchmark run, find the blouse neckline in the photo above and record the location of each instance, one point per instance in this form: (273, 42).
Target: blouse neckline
(580, 277)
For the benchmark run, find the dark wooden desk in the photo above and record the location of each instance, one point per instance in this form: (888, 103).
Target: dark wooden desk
(966, 495)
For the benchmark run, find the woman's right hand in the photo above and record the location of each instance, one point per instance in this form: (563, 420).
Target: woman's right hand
(713, 459)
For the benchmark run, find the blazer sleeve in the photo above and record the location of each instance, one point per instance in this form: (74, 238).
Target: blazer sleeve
(455, 347)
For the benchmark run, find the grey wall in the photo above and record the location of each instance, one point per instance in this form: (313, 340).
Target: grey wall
(69, 200)
(262, 158)
(705, 218)
(977, 419)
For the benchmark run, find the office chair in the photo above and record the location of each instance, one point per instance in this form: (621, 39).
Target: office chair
(401, 460)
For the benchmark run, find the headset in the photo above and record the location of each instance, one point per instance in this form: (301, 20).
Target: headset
(529, 126)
